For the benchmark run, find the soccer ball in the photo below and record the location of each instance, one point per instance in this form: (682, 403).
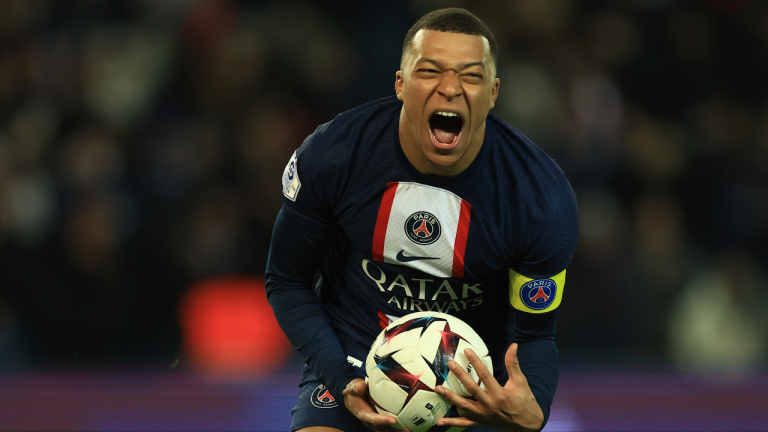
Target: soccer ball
(410, 357)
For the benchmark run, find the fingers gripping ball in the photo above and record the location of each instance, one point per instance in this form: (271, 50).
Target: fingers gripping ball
(410, 357)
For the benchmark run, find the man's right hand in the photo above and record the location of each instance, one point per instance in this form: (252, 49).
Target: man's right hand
(356, 401)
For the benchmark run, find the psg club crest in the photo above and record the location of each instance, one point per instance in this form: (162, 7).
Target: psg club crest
(538, 294)
(321, 398)
(422, 228)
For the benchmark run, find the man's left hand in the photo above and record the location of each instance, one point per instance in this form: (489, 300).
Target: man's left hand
(508, 408)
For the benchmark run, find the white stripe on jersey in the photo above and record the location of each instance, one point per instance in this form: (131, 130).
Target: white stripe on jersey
(410, 199)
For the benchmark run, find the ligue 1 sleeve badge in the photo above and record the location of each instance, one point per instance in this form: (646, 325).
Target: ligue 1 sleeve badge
(291, 182)
(538, 294)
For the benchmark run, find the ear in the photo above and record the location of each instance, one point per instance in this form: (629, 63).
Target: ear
(399, 83)
(495, 91)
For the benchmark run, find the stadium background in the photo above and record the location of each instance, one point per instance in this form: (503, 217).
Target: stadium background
(141, 145)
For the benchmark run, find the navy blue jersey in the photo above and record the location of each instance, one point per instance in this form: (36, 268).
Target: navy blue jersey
(395, 241)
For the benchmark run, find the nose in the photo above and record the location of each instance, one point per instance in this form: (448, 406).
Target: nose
(450, 86)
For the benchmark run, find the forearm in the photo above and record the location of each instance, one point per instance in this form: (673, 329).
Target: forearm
(537, 354)
(305, 322)
(295, 254)
(539, 362)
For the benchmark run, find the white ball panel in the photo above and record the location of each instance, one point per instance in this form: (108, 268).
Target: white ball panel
(410, 359)
(398, 424)
(423, 411)
(427, 345)
(404, 339)
(430, 340)
(385, 392)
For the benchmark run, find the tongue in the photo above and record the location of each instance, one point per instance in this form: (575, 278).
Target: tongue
(444, 137)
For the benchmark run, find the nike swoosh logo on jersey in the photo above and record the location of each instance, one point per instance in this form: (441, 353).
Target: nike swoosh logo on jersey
(404, 259)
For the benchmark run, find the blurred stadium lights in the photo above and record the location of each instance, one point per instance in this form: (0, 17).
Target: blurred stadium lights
(228, 328)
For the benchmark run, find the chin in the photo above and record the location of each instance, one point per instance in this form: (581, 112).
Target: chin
(443, 160)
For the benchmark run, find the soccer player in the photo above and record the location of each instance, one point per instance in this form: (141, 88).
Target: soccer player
(423, 201)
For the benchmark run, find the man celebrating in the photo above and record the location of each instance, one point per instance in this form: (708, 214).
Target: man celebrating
(424, 202)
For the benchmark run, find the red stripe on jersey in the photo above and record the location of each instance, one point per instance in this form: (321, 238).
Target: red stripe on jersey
(460, 245)
(383, 320)
(382, 220)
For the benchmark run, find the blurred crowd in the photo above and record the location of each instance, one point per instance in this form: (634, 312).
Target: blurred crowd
(142, 143)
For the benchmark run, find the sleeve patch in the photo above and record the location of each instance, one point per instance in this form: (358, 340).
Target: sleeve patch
(535, 295)
(291, 183)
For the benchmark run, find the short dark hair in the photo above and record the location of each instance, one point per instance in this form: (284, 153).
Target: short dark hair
(450, 20)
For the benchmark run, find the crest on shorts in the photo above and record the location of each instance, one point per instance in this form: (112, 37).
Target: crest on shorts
(321, 398)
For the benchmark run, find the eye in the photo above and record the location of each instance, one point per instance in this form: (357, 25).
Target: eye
(473, 77)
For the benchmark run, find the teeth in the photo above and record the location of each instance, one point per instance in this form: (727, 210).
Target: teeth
(447, 114)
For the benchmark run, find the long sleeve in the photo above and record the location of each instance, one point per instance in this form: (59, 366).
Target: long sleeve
(296, 253)
(538, 356)
(537, 282)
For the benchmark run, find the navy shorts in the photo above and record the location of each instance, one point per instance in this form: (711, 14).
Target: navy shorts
(317, 407)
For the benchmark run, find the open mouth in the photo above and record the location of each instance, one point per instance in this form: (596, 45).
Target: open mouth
(446, 127)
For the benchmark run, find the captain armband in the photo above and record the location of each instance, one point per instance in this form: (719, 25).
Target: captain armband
(535, 295)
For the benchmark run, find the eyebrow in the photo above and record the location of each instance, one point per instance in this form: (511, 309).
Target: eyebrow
(440, 65)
